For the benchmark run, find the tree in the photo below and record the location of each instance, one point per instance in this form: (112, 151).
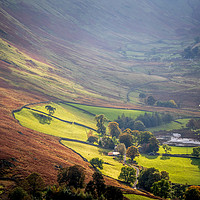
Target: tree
(90, 189)
(101, 119)
(72, 176)
(114, 129)
(148, 177)
(192, 193)
(132, 152)
(166, 148)
(97, 162)
(142, 95)
(92, 139)
(144, 137)
(161, 188)
(106, 142)
(121, 148)
(172, 104)
(178, 191)
(151, 101)
(128, 175)
(126, 138)
(18, 193)
(196, 151)
(153, 145)
(139, 125)
(99, 183)
(34, 184)
(113, 193)
(165, 175)
(50, 109)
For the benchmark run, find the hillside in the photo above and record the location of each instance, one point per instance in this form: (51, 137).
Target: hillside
(95, 52)
(88, 43)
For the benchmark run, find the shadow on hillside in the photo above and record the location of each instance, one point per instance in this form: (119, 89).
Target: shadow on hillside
(42, 118)
(165, 157)
(150, 157)
(195, 161)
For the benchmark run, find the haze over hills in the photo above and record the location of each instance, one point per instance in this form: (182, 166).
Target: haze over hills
(88, 42)
(96, 52)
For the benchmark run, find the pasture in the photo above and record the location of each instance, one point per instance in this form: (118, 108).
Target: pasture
(136, 197)
(111, 167)
(110, 113)
(55, 128)
(171, 126)
(181, 170)
(177, 150)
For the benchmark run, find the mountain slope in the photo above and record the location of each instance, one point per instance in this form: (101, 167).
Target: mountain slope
(82, 39)
(82, 51)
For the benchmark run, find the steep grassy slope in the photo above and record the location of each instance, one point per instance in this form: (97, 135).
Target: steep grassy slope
(89, 43)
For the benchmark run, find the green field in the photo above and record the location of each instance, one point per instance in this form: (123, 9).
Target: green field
(56, 127)
(181, 170)
(66, 112)
(111, 167)
(136, 197)
(111, 113)
(178, 150)
(171, 126)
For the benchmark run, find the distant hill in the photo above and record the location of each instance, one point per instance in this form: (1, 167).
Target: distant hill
(96, 44)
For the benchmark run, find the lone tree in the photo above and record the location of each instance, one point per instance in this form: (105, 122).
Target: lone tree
(132, 152)
(101, 119)
(72, 176)
(114, 129)
(128, 175)
(50, 109)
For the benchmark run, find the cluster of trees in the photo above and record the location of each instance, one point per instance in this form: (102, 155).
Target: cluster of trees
(158, 183)
(50, 109)
(71, 186)
(145, 139)
(152, 101)
(155, 119)
(124, 139)
(169, 104)
(143, 121)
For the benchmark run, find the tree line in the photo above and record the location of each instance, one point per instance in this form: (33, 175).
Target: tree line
(144, 121)
(71, 185)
